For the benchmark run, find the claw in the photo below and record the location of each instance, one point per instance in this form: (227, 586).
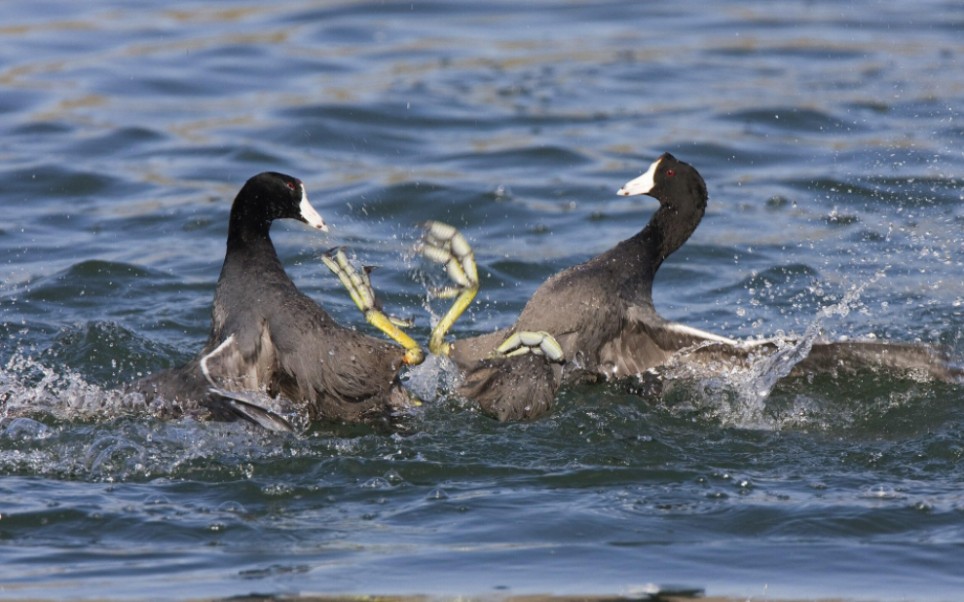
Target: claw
(444, 244)
(359, 286)
(402, 322)
(527, 341)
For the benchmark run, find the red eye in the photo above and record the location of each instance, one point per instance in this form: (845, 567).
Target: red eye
(291, 185)
(670, 173)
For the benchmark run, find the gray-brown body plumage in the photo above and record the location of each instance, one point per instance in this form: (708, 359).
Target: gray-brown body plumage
(267, 337)
(601, 312)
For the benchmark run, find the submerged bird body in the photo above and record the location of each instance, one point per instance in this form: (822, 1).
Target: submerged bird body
(268, 338)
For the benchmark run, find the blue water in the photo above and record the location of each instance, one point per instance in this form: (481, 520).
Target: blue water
(830, 135)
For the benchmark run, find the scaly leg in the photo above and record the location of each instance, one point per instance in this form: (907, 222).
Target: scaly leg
(444, 244)
(360, 288)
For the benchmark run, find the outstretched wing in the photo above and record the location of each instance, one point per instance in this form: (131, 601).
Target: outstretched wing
(233, 380)
(644, 344)
(231, 367)
(646, 341)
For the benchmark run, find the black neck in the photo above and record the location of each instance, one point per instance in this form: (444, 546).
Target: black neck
(666, 232)
(246, 230)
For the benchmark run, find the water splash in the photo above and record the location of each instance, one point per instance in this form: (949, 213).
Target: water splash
(27, 386)
(737, 393)
(436, 377)
(55, 423)
(767, 370)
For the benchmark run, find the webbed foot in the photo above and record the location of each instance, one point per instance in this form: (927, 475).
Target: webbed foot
(535, 342)
(444, 244)
(359, 286)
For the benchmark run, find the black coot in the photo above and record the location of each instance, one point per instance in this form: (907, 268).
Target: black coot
(596, 320)
(600, 313)
(267, 338)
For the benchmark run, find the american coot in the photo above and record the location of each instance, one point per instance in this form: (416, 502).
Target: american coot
(597, 320)
(269, 339)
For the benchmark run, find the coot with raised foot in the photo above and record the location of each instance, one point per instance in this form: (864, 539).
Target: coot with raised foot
(269, 339)
(576, 320)
(597, 320)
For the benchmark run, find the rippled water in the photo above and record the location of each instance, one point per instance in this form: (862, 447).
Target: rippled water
(829, 134)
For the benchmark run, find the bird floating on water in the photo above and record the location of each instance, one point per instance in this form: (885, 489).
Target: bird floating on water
(596, 320)
(270, 343)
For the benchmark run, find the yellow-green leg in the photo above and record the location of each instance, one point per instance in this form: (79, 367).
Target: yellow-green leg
(444, 244)
(360, 288)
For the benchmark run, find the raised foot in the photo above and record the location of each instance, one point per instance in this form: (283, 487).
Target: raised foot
(535, 342)
(359, 286)
(444, 244)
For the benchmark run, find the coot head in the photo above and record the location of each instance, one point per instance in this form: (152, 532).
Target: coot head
(668, 179)
(269, 196)
(682, 197)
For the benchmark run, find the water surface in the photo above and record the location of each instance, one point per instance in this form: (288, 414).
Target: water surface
(829, 135)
